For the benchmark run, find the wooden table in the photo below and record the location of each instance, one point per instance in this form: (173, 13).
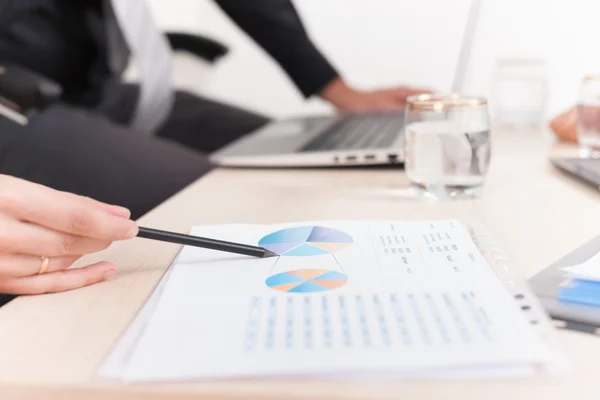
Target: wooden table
(51, 345)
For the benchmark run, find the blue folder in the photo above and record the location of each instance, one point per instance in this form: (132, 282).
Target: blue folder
(581, 292)
(575, 303)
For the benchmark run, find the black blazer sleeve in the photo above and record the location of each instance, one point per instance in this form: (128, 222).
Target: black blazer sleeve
(277, 28)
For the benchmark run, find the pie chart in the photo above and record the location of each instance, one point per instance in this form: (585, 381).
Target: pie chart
(306, 280)
(306, 241)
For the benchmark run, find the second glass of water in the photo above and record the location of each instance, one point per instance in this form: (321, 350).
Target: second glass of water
(448, 145)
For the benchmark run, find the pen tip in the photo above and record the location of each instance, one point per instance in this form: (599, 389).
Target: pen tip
(269, 253)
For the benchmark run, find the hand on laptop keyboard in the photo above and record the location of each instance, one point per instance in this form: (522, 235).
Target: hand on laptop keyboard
(348, 99)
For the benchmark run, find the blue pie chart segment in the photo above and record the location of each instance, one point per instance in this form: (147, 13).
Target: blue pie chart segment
(284, 279)
(293, 235)
(306, 241)
(304, 250)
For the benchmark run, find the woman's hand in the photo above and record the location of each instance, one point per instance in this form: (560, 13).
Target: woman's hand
(564, 125)
(37, 222)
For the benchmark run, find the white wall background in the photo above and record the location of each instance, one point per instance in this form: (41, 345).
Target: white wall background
(388, 42)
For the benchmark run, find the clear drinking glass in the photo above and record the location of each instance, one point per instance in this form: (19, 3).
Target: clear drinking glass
(588, 116)
(447, 145)
(520, 92)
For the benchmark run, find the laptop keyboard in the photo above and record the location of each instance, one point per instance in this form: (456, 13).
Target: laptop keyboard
(359, 132)
(589, 165)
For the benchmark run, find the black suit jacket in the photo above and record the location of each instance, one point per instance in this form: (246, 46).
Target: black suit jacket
(65, 40)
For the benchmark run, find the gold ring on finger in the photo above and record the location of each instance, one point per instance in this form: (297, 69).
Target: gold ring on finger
(44, 266)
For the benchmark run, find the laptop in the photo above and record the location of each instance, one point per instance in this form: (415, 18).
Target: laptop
(339, 140)
(587, 170)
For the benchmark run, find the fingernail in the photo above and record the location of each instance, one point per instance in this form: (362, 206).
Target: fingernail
(132, 232)
(110, 274)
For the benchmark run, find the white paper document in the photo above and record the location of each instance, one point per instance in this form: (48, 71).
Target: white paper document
(343, 297)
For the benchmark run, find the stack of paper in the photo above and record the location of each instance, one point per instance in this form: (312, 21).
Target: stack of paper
(583, 283)
(408, 298)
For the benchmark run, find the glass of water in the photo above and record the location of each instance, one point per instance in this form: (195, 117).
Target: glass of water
(588, 116)
(447, 145)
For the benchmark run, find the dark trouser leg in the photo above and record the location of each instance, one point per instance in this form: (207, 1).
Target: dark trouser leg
(83, 153)
(88, 154)
(202, 124)
(207, 125)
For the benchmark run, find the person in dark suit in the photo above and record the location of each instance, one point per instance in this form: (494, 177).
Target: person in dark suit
(87, 144)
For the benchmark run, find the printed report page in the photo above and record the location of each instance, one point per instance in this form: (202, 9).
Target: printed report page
(341, 297)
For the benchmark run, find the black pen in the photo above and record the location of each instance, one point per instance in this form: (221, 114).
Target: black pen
(206, 243)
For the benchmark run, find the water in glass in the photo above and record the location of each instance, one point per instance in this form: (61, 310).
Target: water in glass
(447, 158)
